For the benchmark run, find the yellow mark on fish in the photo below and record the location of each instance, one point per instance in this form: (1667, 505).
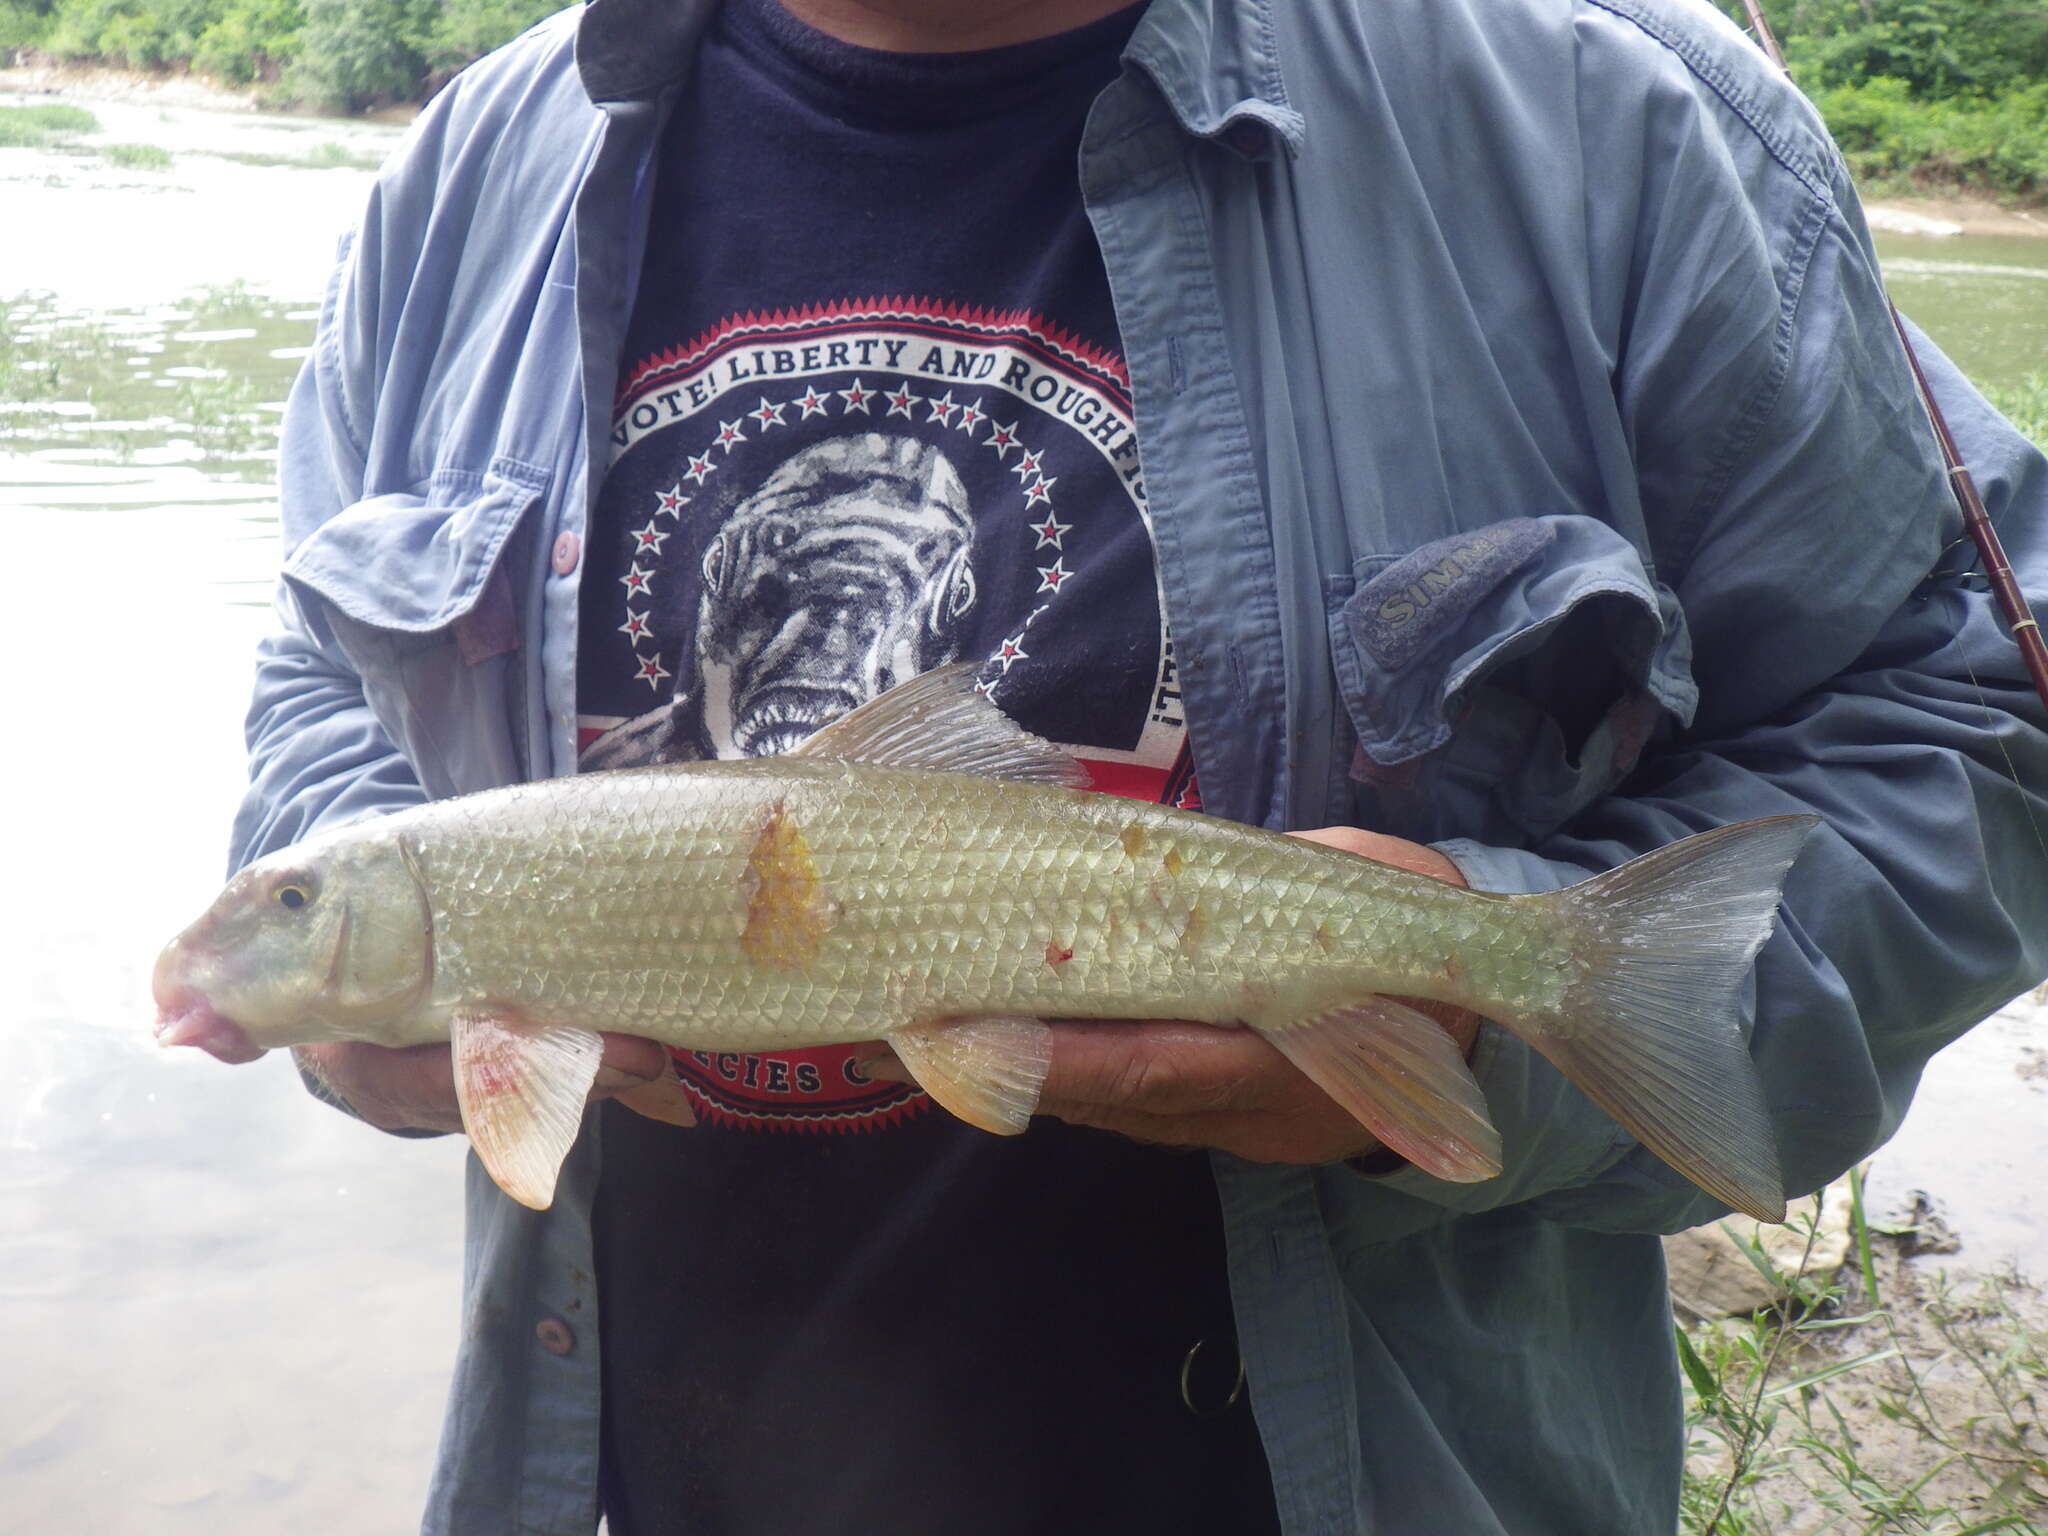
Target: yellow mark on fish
(1171, 860)
(1133, 839)
(788, 912)
(1194, 930)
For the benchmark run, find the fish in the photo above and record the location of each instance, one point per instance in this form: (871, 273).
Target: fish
(925, 872)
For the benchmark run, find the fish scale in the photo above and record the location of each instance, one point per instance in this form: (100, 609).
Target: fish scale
(866, 886)
(640, 928)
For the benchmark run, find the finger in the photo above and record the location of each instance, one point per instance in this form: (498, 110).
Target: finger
(629, 1061)
(1417, 858)
(1156, 1068)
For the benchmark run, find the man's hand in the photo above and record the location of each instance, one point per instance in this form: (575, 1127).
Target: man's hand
(1182, 1084)
(414, 1088)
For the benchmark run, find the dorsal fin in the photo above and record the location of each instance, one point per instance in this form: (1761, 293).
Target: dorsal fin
(938, 720)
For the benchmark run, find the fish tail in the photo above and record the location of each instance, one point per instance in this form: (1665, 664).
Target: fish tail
(1650, 1027)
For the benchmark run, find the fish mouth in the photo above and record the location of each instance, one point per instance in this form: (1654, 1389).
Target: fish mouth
(784, 717)
(184, 1017)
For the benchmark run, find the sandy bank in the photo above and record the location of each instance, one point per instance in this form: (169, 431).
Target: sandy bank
(1954, 216)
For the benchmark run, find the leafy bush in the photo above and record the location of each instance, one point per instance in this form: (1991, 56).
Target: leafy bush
(353, 53)
(1938, 47)
(250, 40)
(23, 23)
(1998, 145)
(462, 30)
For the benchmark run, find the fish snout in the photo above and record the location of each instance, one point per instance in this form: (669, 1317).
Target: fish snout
(185, 1016)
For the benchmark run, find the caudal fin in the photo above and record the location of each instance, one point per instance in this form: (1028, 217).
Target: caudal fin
(1650, 1029)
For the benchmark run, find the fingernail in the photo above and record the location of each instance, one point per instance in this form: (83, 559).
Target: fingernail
(880, 1065)
(612, 1080)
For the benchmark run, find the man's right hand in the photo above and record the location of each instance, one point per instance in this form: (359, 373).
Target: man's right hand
(413, 1089)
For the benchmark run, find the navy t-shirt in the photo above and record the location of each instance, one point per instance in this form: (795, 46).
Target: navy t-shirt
(874, 418)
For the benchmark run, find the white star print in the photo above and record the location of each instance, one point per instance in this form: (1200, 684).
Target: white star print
(1050, 532)
(857, 398)
(813, 403)
(769, 415)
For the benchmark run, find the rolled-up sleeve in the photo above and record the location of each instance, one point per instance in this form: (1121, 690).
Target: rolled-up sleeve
(317, 756)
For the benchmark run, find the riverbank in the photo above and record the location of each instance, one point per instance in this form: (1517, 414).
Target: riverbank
(52, 80)
(1954, 214)
(1934, 213)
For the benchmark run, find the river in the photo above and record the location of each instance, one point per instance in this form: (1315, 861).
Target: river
(225, 1308)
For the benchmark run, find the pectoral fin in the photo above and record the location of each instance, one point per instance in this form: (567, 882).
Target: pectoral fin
(1402, 1077)
(522, 1088)
(987, 1071)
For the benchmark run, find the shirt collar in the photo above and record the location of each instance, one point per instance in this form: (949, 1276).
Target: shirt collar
(1214, 61)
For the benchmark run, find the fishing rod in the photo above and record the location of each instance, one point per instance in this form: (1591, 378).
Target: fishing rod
(2012, 602)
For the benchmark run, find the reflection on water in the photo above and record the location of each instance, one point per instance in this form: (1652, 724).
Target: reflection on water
(227, 1309)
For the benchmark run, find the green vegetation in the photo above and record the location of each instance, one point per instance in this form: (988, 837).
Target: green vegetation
(138, 157)
(1876, 1401)
(78, 382)
(343, 55)
(1925, 94)
(2025, 404)
(31, 127)
(1920, 93)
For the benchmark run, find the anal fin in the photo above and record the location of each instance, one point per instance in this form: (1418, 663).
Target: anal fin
(522, 1088)
(1402, 1077)
(987, 1071)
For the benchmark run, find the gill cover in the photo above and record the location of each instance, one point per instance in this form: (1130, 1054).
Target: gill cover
(381, 960)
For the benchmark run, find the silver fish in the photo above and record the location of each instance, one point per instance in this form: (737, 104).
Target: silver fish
(925, 872)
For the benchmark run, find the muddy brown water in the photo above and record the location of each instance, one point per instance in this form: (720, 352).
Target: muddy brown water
(225, 1308)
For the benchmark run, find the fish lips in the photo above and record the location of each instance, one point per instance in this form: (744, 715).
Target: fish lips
(183, 1017)
(195, 1023)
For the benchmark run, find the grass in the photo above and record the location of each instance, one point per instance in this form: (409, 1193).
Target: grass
(2025, 405)
(32, 127)
(1873, 1402)
(138, 157)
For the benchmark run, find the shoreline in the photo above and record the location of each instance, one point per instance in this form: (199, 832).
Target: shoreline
(1931, 214)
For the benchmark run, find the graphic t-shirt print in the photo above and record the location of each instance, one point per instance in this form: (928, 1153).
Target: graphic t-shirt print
(814, 506)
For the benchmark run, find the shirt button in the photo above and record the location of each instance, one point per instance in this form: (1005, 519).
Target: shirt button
(567, 548)
(556, 1337)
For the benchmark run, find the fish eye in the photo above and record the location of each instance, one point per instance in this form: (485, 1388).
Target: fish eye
(292, 896)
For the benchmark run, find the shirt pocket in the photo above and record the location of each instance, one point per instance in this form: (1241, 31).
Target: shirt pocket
(1501, 680)
(417, 589)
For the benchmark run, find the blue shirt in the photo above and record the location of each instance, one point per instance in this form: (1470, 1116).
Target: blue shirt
(1581, 276)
